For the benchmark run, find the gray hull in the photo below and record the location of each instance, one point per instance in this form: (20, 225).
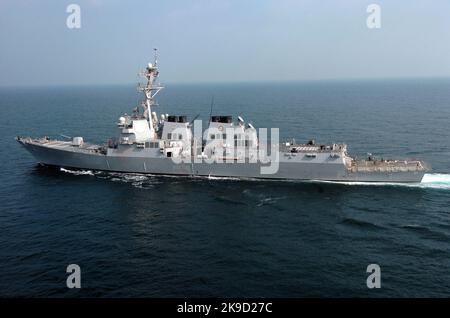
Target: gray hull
(134, 161)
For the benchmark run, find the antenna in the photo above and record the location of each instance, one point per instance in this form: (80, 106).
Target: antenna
(192, 121)
(211, 108)
(156, 56)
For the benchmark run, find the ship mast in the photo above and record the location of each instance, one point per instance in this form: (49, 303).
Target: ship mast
(150, 89)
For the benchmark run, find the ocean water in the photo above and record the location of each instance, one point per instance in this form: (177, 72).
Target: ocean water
(147, 236)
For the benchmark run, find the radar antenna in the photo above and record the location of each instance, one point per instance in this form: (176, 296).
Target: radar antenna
(155, 56)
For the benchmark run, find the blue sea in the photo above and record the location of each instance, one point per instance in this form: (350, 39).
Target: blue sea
(148, 236)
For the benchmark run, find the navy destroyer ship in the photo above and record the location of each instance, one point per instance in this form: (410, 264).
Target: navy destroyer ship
(171, 145)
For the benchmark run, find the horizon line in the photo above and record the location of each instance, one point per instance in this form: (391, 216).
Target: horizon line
(228, 82)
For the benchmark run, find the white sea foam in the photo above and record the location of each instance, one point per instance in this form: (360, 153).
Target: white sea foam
(134, 177)
(436, 180)
(77, 172)
(222, 178)
(429, 180)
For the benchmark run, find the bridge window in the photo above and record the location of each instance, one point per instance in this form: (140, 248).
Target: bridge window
(151, 144)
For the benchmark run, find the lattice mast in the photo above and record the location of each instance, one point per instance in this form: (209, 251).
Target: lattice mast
(150, 89)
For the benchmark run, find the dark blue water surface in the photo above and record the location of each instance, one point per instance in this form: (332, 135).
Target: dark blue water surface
(148, 236)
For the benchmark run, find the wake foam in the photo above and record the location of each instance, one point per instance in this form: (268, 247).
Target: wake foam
(78, 172)
(221, 178)
(436, 180)
(429, 180)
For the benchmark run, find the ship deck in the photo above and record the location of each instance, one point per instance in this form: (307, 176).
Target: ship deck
(300, 148)
(387, 166)
(63, 145)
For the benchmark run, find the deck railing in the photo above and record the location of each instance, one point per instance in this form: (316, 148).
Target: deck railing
(387, 165)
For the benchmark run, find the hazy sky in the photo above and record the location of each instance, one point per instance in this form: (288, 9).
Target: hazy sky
(221, 40)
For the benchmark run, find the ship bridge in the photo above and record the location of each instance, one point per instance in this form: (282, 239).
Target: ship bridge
(228, 140)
